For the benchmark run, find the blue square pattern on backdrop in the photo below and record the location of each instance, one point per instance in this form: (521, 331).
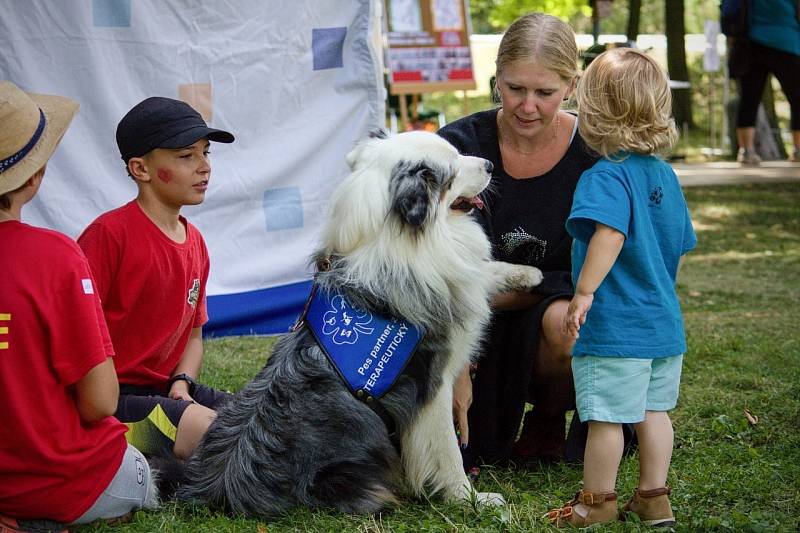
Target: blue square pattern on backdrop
(327, 45)
(111, 13)
(283, 208)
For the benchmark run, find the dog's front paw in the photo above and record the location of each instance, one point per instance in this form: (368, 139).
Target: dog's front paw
(470, 496)
(524, 277)
(492, 499)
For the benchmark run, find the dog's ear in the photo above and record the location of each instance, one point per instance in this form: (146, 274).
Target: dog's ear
(357, 152)
(410, 192)
(354, 155)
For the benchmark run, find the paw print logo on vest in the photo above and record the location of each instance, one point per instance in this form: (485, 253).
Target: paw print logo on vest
(656, 195)
(194, 293)
(523, 247)
(343, 323)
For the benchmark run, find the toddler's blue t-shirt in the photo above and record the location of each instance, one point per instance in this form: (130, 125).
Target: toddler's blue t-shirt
(635, 312)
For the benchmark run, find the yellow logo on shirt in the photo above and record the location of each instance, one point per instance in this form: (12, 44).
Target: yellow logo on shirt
(194, 293)
(4, 317)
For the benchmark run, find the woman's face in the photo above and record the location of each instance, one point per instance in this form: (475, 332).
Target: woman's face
(531, 96)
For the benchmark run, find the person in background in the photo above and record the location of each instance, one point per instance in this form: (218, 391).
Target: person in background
(763, 39)
(63, 457)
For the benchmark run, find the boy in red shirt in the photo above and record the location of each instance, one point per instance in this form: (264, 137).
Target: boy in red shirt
(63, 457)
(151, 268)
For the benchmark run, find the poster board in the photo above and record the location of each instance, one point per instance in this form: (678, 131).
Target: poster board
(428, 46)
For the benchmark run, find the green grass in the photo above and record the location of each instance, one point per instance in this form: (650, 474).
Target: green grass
(740, 291)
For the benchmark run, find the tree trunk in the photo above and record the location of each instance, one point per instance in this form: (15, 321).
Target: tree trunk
(634, 14)
(676, 62)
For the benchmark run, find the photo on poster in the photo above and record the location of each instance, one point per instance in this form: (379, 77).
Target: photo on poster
(404, 16)
(447, 15)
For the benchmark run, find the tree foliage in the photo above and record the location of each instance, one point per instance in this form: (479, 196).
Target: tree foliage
(493, 16)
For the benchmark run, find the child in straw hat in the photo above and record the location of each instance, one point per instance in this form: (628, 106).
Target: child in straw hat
(63, 457)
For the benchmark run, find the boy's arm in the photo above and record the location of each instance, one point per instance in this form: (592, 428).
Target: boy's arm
(97, 393)
(190, 363)
(604, 247)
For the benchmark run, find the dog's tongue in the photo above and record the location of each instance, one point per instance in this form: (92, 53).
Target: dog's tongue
(476, 201)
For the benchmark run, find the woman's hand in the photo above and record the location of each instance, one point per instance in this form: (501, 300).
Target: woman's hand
(462, 399)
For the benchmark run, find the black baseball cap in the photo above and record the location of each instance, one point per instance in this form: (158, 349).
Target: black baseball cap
(159, 122)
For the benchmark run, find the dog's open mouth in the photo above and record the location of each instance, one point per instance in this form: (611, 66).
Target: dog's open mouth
(465, 204)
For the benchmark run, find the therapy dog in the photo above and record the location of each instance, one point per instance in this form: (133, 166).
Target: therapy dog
(398, 244)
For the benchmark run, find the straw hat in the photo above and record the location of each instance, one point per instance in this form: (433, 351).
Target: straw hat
(32, 126)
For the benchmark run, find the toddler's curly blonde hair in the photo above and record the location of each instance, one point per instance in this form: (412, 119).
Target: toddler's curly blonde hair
(625, 105)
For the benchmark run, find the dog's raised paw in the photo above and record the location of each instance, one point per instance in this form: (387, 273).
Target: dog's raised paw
(524, 277)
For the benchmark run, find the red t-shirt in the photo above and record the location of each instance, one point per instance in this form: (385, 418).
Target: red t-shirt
(153, 291)
(52, 465)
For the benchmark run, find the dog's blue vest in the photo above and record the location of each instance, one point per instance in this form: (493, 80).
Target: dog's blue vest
(369, 351)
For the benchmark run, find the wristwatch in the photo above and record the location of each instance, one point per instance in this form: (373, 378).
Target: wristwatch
(182, 377)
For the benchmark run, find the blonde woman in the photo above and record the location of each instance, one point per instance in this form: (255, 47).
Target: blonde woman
(631, 227)
(538, 157)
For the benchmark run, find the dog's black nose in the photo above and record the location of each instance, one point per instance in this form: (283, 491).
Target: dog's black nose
(489, 167)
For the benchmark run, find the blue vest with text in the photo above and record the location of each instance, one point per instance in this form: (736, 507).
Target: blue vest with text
(369, 351)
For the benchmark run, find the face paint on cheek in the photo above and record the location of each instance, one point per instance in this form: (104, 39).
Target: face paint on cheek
(164, 175)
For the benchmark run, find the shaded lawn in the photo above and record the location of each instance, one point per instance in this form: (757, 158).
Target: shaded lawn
(740, 290)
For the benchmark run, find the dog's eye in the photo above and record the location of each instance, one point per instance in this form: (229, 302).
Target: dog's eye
(428, 175)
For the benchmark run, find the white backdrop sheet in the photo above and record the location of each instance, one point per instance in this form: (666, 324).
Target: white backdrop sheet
(297, 82)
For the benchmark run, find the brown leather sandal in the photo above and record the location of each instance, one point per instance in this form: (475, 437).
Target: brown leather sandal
(602, 508)
(652, 507)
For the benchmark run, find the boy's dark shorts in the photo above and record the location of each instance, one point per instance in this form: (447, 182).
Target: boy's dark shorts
(137, 403)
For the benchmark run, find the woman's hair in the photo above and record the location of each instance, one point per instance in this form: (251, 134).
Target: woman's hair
(625, 105)
(543, 39)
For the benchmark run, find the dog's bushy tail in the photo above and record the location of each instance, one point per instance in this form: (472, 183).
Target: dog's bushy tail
(169, 473)
(356, 486)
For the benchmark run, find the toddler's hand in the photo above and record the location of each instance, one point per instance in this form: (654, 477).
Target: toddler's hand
(576, 313)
